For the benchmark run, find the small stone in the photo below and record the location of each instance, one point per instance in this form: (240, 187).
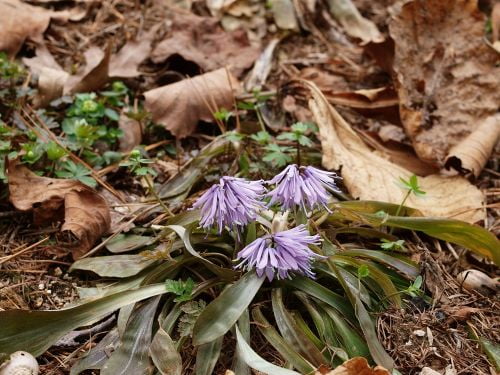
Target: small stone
(39, 302)
(41, 286)
(58, 271)
(419, 333)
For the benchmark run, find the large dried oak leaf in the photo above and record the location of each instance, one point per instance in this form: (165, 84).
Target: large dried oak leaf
(85, 212)
(202, 41)
(369, 175)
(20, 21)
(448, 81)
(179, 106)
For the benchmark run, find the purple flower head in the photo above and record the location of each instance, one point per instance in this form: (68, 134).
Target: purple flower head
(306, 187)
(281, 253)
(232, 202)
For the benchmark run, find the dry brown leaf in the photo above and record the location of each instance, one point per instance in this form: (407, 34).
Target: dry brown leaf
(370, 176)
(353, 22)
(132, 132)
(20, 21)
(202, 41)
(356, 366)
(447, 77)
(93, 75)
(179, 106)
(100, 66)
(471, 154)
(126, 62)
(85, 212)
(495, 22)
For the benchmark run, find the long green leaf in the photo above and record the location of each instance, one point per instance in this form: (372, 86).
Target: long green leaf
(114, 265)
(132, 356)
(314, 289)
(473, 237)
(256, 362)
(98, 355)
(407, 267)
(164, 355)
(221, 314)
(283, 346)
(377, 351)
(292, 332)
(128, 242)
(207, 356)
(239, 366)
(36, 331)
(184, 234)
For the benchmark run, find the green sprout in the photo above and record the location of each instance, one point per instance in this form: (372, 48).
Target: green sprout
(183, 289)
(298, 136)
(76, 171)
(262, 137)
(414, 290)
(276, 155)
(138, 166)
(412, 186)
(223, 115)
(392, 245)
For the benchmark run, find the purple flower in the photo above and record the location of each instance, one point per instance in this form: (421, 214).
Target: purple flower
(232, 202)
(281, 253)
(306, 187)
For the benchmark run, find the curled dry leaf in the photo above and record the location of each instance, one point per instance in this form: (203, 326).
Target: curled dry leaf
(356, 366)
(20, 21)
(132, 132)
(202, 41)
(179, 106)
(471, 154)
(353, 22)
(370, 175)
(99, 67)
(85, 212)
(447, 79)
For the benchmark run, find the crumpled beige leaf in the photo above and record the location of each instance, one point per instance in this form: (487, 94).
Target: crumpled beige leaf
(353, 22)
(369, 175)
(132, 132)
(447, 77)
(125, 63)
(99, 67)
(471, 154)
(85, 212)
(202, 41)
(20, 21)
(179, 106)
(356, 366)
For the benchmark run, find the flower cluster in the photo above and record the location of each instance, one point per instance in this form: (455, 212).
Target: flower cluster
(307, 188)
(235, 202)
(232, 202)
(281, 253)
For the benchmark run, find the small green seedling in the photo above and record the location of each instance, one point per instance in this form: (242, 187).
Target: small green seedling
(77, 172)
(138, 165)
(223, 115)
(183, 289)
(363, 271)
(276, 155)
(262, 137)
(298, 136)
(54, 151)
(392, 245)
(414, 289)
(412, 185)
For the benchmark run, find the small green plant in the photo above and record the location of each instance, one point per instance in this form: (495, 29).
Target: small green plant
(262, 137)
(115, 96)
(392, 245)
(277, 155)
(76, 171)
(412, 186)
(54, 151)
(138, 165)
(223, 115)
(414, 290)
(182, 289)
(9, 69)
(297, 135)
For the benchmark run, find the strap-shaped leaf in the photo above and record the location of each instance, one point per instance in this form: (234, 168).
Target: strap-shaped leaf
(221, 314)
